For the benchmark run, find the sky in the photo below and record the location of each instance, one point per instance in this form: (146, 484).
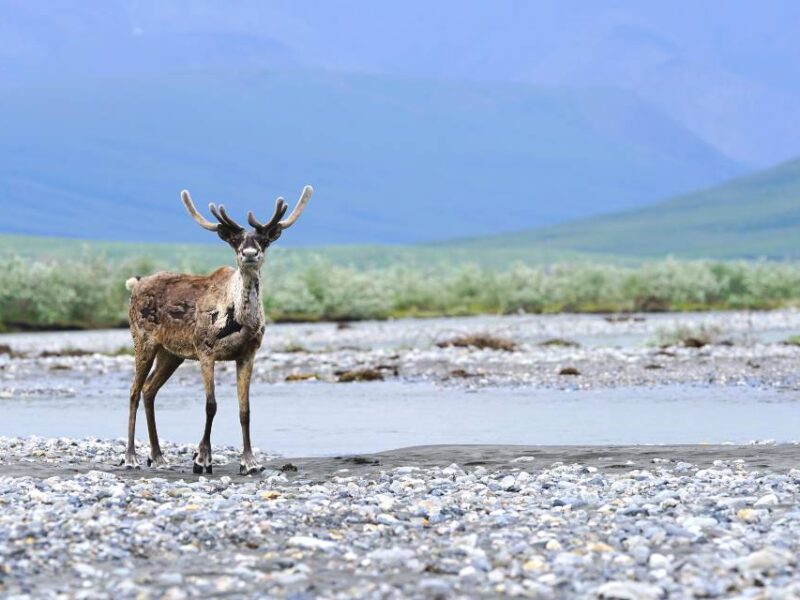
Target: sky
(727, 69)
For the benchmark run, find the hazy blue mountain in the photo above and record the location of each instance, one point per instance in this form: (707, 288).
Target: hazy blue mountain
(392, 159)
(756, 216)
(728, 70)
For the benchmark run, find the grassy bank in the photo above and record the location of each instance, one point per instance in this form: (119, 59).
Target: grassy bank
(206, 257)
(89, 293)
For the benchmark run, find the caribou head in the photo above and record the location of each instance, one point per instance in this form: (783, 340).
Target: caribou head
(250, 246)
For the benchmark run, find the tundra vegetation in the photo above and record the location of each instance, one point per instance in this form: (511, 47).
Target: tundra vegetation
(89, 292)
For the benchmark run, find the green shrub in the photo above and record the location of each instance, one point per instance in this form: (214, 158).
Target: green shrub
(90, 293)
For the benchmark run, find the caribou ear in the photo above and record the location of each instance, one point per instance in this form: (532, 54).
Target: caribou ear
(229, 236)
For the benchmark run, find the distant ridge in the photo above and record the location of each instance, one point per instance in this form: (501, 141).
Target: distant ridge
(756, 216)
(752, 217)
(392, 160)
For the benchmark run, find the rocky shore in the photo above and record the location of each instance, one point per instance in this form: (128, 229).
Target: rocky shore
(558, 351)
(600, 522)
(432, 522)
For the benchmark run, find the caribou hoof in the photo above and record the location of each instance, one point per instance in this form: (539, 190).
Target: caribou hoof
(130, 462)
(202, 461)
(249, 466)
(159, 462)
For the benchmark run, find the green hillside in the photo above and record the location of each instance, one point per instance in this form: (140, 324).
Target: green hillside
(756, 216)
(205, 257)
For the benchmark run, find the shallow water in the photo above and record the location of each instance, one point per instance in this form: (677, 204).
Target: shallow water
(89, 397)
(328, 419)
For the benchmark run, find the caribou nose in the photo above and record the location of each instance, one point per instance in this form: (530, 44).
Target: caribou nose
(249, 252)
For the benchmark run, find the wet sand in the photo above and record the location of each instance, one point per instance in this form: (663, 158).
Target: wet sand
(617, 459)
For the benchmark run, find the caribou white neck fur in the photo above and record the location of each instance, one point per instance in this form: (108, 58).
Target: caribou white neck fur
(244, 294)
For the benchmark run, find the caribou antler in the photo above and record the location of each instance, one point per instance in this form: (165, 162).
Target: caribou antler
(225, 220)
(280, 210)
(223, 217)
(219, 214)
(298, 210)
(201, 220)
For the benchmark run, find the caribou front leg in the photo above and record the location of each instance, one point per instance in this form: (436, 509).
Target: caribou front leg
(244, 371)
(202, 458)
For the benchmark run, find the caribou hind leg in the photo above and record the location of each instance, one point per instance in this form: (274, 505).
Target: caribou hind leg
(202, 458)
(166, 364)
(145, 355)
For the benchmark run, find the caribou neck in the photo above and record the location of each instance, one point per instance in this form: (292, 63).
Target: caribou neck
(245, 295)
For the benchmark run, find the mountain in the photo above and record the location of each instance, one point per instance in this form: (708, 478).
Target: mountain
(393, 160)
(756, 216)
(727, 70)
(751, 217)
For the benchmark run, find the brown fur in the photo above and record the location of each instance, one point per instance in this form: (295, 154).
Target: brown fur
(182, 313)
(174, 317)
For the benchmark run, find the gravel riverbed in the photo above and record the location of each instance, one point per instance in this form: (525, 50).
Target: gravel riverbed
(626, 523)
(558, 351)
(603, 522)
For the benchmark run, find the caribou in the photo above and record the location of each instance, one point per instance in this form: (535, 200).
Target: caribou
(216, 317)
